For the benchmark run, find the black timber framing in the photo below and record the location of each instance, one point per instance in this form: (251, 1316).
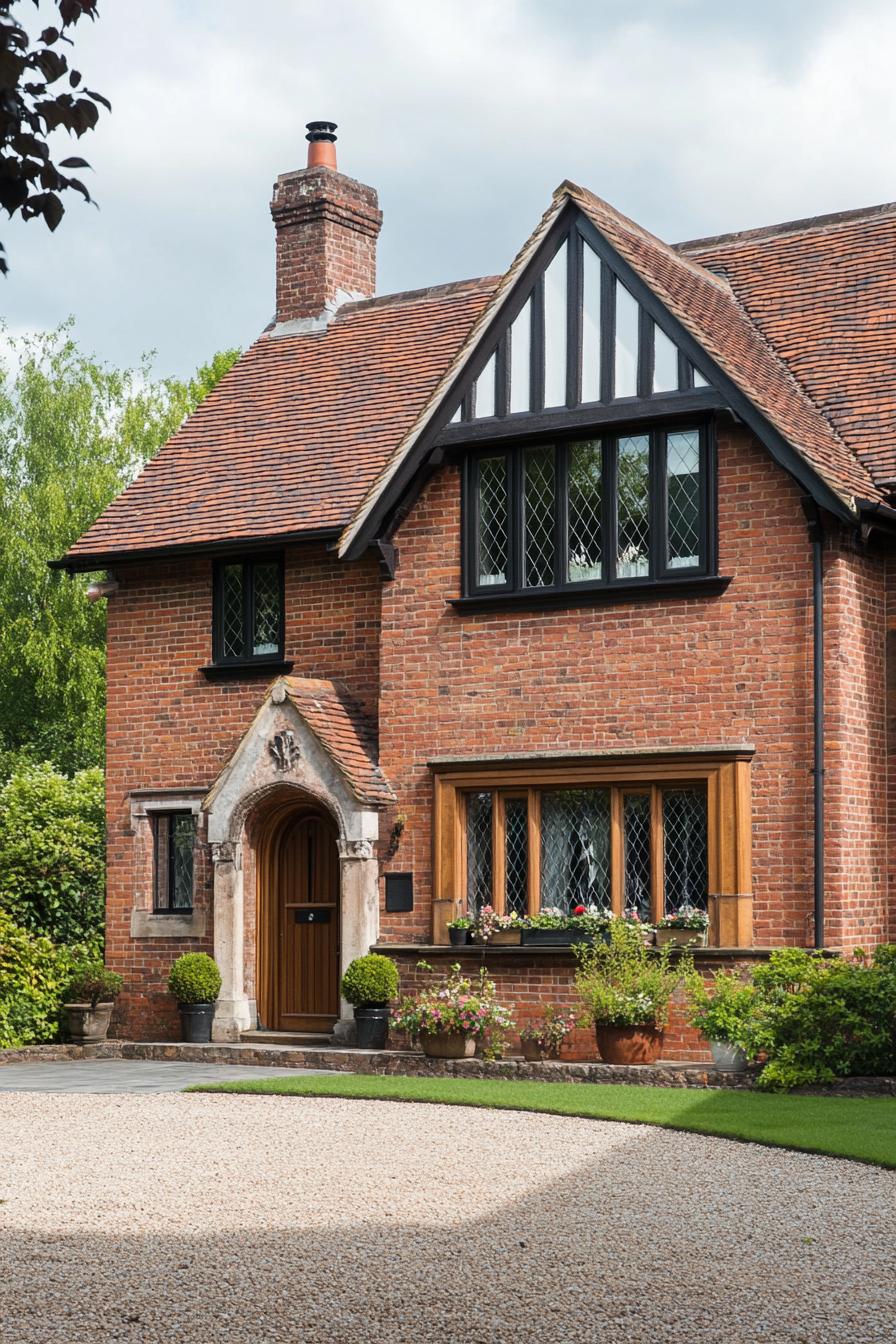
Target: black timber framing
(722, 392)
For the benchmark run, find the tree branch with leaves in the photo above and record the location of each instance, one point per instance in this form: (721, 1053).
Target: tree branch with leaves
(34, 103)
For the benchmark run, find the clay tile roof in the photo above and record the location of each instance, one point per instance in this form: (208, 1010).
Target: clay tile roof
(727, 328)
(823, 294)
(345, 733)
(292, 437)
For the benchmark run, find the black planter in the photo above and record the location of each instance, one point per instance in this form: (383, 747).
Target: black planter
(372, 1026)
(459, 937)
(562, 937)
(196, 1022)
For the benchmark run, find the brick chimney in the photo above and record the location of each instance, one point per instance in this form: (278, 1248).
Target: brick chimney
(327, 226)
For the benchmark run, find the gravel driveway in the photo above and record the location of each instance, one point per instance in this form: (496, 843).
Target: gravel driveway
(211, 1220)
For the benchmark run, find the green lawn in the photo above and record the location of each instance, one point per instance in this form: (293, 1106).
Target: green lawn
(855, 1127)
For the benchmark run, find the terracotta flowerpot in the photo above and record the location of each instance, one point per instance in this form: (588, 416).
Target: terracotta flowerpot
(505, 938)
(629, 1045)
(447, 1045)
(684, 937)
(86, 1025)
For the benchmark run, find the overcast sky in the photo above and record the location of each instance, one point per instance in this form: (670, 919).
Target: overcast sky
(694, 116)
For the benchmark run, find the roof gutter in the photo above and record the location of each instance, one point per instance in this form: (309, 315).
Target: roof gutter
(85, 564)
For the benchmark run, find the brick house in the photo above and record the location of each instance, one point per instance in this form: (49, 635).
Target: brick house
(511, 590)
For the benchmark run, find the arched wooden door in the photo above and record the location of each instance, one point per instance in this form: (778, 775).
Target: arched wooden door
(298, 968)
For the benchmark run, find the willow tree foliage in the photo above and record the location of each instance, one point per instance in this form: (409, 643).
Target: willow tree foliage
(73, 433)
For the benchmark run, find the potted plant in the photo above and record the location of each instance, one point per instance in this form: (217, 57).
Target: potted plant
(726, 1014)
(88, 1000)
(459, 930)
(455, 1014)
(499, 930)
(195, 982)
(368, 985)
(543, 1038)
(686, 926)
(625, 988)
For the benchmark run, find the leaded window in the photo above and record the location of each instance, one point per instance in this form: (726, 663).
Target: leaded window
(173, 844)
(248, 610)
(639, 846)
(606, 510)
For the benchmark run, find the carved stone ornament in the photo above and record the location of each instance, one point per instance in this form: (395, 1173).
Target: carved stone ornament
(223, 851)
(285, 750)
(355, 849)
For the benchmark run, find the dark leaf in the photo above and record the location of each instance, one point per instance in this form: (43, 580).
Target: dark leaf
(74, 163)
(98, 97)
(49, 36)
(76, 185)
(74, 78)
(13, 193)
(51, 65)
(53, 210)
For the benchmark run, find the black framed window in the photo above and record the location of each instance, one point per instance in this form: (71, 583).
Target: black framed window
(609, 510)
(174, 836)
(248, 610)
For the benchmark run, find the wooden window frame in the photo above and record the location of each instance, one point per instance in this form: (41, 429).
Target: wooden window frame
(246, 657)
(659, 571)
(162, 891)
(728, 813)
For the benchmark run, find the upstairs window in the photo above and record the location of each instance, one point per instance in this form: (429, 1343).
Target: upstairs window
(174, 837)
(248, 611)
(608, 510)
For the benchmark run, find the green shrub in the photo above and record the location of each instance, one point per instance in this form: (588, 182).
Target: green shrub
(33, 975)
(370, 981)
(92, 983)
(194, 978)
(52, 854)
(624, 983)
(821, 1018)
(726, 1012)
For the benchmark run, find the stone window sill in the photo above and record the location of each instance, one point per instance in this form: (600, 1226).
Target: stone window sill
(232, 671)
(153, 924)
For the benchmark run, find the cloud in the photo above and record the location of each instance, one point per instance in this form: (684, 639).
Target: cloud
(692, 116)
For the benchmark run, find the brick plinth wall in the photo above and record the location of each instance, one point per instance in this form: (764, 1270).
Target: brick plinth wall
(525, 981)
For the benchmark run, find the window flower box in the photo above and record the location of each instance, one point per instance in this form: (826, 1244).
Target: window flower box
(687, 926)
(681, 937)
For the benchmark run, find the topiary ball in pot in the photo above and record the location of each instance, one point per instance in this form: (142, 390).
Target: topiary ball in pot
(195, 982)
(368, 984)
(87, 1000)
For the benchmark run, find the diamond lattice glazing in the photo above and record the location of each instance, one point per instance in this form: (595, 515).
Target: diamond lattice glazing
(232, 611)
(492, 548)
(575, 848)
(636, 846)
(516, 841)
(683, 493)
(539, 502)
(182, 835)
(479, 851)
(266, 637)
(585, 497)
(684, 848)
(633, 505)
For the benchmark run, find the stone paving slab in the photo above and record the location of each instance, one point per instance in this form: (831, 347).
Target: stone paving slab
(119, 1075)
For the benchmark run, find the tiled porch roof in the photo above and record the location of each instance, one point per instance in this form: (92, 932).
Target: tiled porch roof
(344, 732)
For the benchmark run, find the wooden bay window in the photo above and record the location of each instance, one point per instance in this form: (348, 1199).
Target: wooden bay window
(650, 836)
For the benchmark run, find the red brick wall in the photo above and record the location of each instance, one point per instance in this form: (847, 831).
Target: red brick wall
(528, 982)
(168, 727)
(672, 673)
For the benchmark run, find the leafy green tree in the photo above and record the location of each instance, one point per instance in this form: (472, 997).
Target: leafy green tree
(73, 433)
(52, 855)
(33, 976)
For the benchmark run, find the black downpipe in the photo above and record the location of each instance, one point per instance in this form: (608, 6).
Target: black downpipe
(816, 536)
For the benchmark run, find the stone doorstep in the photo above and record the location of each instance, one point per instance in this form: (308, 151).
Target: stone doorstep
(667, 1073)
